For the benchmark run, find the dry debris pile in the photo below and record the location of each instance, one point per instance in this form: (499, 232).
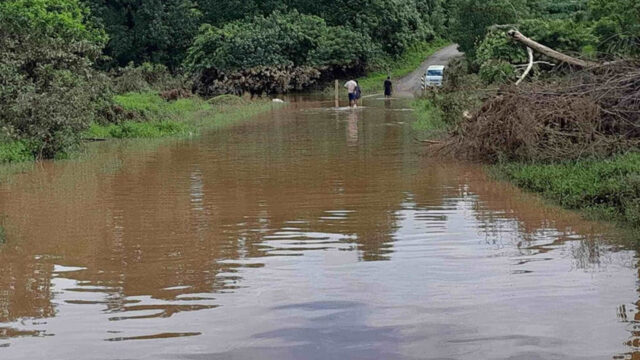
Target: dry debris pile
(593, 112)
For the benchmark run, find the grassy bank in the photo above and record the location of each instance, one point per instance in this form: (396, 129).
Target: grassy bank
(606, 189)
(430, 121)
(157, 118)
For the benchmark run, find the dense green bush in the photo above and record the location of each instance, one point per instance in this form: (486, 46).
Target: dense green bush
(617, 26)
(471, 19)
(273, 54)
(147, 76)
(157, 31)
(161, 31)
(49, 92)
(288, 39)
(393, 24)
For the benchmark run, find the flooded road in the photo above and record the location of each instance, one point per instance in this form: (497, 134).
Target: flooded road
(306, 233)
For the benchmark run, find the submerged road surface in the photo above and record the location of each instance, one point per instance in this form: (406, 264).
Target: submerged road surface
(307, 233)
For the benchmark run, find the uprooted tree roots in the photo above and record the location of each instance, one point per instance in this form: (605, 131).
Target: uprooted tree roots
(593, 112)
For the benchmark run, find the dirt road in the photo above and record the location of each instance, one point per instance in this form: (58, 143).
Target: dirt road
(410, 84)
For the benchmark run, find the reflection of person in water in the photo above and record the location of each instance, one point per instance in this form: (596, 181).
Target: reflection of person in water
(387, 104)
(352, 129)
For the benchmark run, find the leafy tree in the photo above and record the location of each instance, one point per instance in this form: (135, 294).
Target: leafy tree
(289, 39)
(393, 24)
(220, 12)
(158, 31)
(617, 24)
(47, 48)
(471, 20)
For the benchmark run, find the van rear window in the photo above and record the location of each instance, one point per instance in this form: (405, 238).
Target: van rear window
(434, 73)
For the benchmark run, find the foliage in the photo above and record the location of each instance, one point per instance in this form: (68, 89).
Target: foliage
(609, 186)
(184, 117)
(595, 28)
(150, 105)
(15, 151)
(471, 20)
(131, 129)
(147, 77)
(49, 92)
(394, 25)
(272, 54)
(617, 26)
(157, 31)
(429, 118)
(256, 81)
(160, 31)
(449, 104)
(497, 54)
(288, 39)
(3, 235)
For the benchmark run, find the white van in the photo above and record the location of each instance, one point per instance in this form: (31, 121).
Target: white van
(433, 76)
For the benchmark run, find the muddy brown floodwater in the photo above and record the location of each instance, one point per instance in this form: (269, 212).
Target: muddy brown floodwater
(306, 233)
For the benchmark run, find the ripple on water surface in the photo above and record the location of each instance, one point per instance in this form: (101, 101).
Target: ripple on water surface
(309, 233)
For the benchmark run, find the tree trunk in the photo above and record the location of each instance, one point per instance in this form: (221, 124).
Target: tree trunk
(516, 35)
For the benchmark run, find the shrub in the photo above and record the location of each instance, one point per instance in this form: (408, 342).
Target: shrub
(290, 39)
(147, 77)
(280, 52)
(49, 92)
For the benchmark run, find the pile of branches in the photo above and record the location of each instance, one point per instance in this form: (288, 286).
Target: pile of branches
(592, 112)
(256, 81)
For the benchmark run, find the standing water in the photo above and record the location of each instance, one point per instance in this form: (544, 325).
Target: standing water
(307, 233)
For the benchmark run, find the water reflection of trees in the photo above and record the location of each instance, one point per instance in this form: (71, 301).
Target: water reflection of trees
(525, 222)
(180, 219)
(184, 219)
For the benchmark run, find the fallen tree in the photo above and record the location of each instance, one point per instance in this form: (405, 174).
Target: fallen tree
(592, 112)
(544, 50)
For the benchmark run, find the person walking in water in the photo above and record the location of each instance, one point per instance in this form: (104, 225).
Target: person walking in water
(388, 87)
(351, 86)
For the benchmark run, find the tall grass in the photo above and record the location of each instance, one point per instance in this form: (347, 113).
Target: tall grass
(608, 188)
(430, 121)
(177, 118)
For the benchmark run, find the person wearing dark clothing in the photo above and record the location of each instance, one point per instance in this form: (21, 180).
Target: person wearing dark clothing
(388, 87)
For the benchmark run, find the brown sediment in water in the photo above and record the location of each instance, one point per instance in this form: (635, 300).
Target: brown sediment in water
(306, 229)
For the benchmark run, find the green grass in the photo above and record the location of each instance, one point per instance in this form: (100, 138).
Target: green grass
(14, 152)
(150, 104)
(130, 129)
(401, 66)
(177, 118)
(429, 119)
(607, 189)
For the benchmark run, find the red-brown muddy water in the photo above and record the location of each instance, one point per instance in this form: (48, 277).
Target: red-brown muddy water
(306, 233)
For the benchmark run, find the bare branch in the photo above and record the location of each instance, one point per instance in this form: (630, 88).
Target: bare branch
(529, 67)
